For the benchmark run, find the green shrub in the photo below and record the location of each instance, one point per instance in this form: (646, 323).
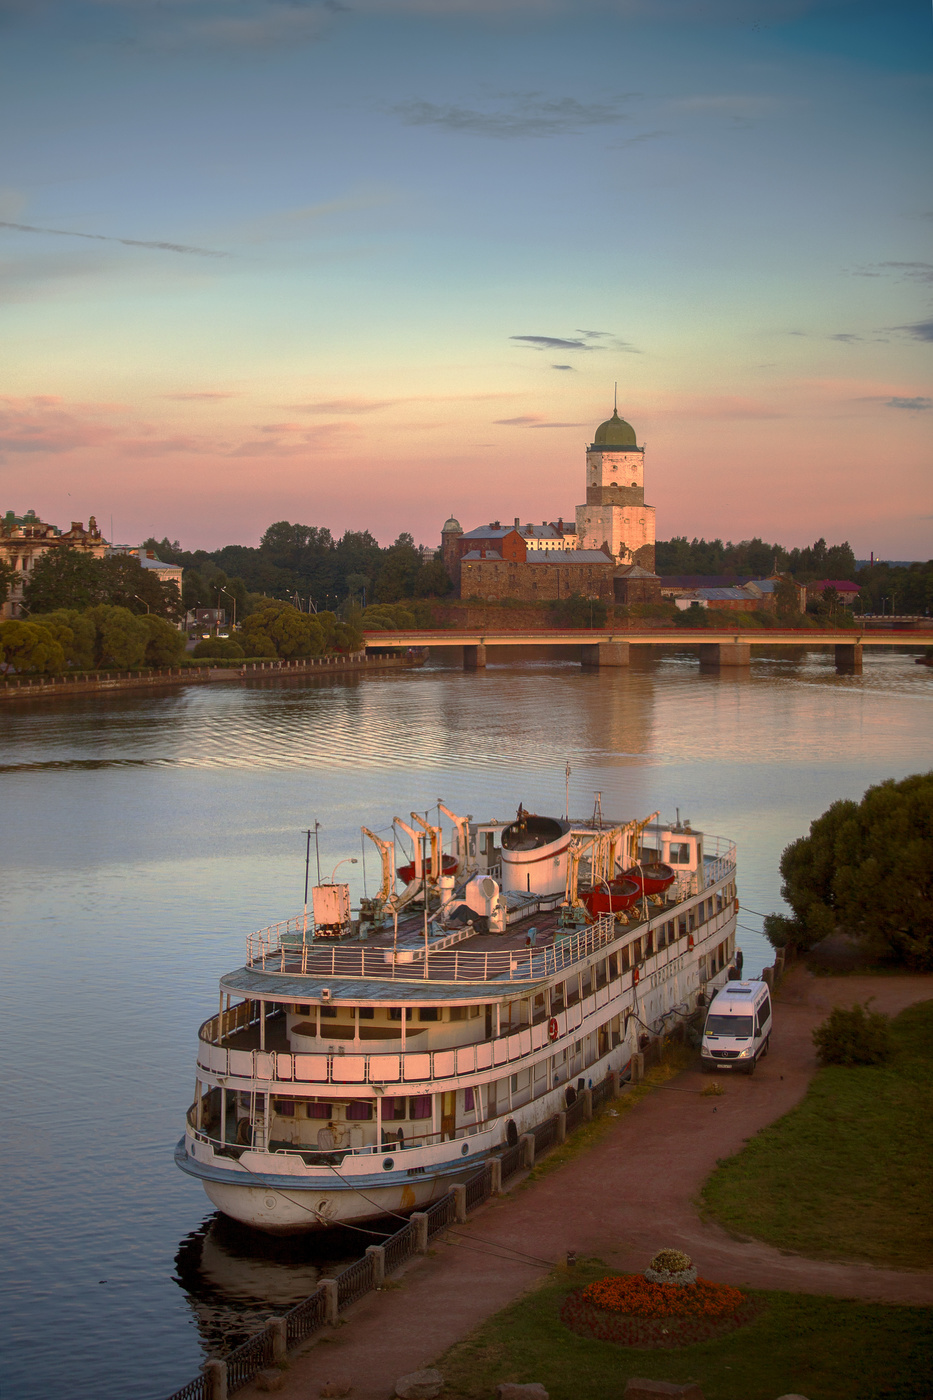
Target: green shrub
(226, 648)
(854, 1036)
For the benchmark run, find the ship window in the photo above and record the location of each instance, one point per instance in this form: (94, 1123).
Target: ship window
(557, 997)
(394, 1108)
(469, 1101)
(474, 1012)
(330, 1012)
(429, 1013)
(649, 943)
(285, 1108)
(319, 1110)
(458, 1013)
(613, 965)
(395, 1013)
(625, 959)
(586, 983)
(421, 1106)
(682, 926)
(359, 1110)
(680, 853)
(366, 1013)
(636, 951)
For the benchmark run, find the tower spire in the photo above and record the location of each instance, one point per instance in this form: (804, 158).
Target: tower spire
(615, 397)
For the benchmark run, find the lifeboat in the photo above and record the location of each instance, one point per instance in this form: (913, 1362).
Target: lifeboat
(653, 879)
(622, 894)
(406, 873)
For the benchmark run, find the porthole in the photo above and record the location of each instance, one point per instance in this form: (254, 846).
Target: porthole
(387, 1164)
(465, 1149)
(270, 1203)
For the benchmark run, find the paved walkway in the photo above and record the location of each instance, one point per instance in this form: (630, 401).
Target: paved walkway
(626, 1197)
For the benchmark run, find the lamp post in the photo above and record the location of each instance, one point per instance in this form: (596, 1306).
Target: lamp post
(312, 831)
(348, 860)
(143, 601)
(233, 601)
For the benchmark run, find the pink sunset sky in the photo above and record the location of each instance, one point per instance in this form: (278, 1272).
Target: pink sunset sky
(366, 268)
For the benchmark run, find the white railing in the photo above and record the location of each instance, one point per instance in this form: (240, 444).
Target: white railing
(268, 951)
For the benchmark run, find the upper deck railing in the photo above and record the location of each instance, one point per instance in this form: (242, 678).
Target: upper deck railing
(284, 948)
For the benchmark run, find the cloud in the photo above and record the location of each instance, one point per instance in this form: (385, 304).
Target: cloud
(206, 396)
(527, 115)
(846, 337)
(557, 425)
(41, 424)
(917, 404)
(743, 109)
(562, 367)
(920, 330)
(642, 136)
(553, 342)
(911, 271)
(522, 422)
(351, 406)
(109, 238)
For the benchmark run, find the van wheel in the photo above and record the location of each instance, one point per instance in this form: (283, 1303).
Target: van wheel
(751, 1067)
(766, 1047)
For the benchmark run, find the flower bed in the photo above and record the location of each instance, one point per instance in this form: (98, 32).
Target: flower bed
(633, 1312)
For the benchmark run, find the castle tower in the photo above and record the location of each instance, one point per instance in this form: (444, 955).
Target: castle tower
(615, 513)
(451, 535)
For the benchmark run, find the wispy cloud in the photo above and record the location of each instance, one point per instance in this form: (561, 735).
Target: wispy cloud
(206, 396)
(523, 421)
(846, 337)
(920, 330)
(919, 403)
(520, 115)
(570, 367)
(159, 244)
(908, 271)
(606, 341)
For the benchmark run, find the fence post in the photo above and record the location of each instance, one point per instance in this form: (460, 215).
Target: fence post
(613, 1078)
(460, 1206)
(528, 1139)
(377, 1254)
(587, 1097)
(420, 1222)
(495, 1176)
(767, 976)
(279, 1338)
(216, 1373)
(330, 1301)
(561, 1126)
(638, 1067)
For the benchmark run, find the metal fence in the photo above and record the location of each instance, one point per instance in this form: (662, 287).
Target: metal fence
(354, 1282)
(250, 1357)
(301, 1321)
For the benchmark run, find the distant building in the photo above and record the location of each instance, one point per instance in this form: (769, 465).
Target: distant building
(847, 590)
(166, 573)
(24, 539)
(614, 533)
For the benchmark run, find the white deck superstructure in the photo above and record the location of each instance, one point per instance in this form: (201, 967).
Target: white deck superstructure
(350, 1076)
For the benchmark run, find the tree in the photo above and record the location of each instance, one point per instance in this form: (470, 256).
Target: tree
(165, 645)
(577, 611)
(70, 578)
(290, 633)
(867, 867)
(75, 633)
(27, 646)
(7, 579)
(121, 638)
(787, 598)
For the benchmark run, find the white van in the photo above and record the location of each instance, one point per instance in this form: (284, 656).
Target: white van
(738, 1027)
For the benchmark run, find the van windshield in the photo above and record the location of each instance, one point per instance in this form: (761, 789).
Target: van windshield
(740, 1027)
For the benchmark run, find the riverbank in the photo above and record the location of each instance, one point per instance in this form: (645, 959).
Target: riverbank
(634, 1191)
(106, 682)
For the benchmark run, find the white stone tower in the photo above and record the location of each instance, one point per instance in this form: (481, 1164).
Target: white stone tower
(615, 513)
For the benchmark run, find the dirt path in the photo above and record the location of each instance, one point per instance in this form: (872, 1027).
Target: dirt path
(630, 1194)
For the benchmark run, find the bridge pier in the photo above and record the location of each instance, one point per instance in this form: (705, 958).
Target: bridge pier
(725, 654)
(849, 659)
(474, 658)
(605, 654)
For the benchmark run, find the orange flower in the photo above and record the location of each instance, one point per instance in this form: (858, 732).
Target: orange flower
(635, 1295)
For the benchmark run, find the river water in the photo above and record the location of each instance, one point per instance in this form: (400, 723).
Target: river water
(144, 835)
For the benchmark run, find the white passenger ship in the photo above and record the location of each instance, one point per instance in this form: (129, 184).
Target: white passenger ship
(361, 1065)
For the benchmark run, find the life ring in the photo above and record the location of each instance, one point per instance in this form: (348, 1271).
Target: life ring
(635, 976)
(736, 904)
(553, 1029)
(689, 940)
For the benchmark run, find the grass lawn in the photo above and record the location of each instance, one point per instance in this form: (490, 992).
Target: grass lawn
(849, 1173)
(823, 1348)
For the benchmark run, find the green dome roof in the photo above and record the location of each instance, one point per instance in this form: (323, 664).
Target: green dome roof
(452, 526)
(615, 432)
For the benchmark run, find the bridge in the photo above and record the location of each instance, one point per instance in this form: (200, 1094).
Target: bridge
(718, 647)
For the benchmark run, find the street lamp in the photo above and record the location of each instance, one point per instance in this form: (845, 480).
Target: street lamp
(233, 601)
(143, 601)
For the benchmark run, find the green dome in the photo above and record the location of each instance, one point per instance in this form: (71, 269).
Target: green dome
(615, 432)
(452, 526)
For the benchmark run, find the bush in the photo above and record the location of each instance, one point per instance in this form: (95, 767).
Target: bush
(854, 1036)
(226, 648)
